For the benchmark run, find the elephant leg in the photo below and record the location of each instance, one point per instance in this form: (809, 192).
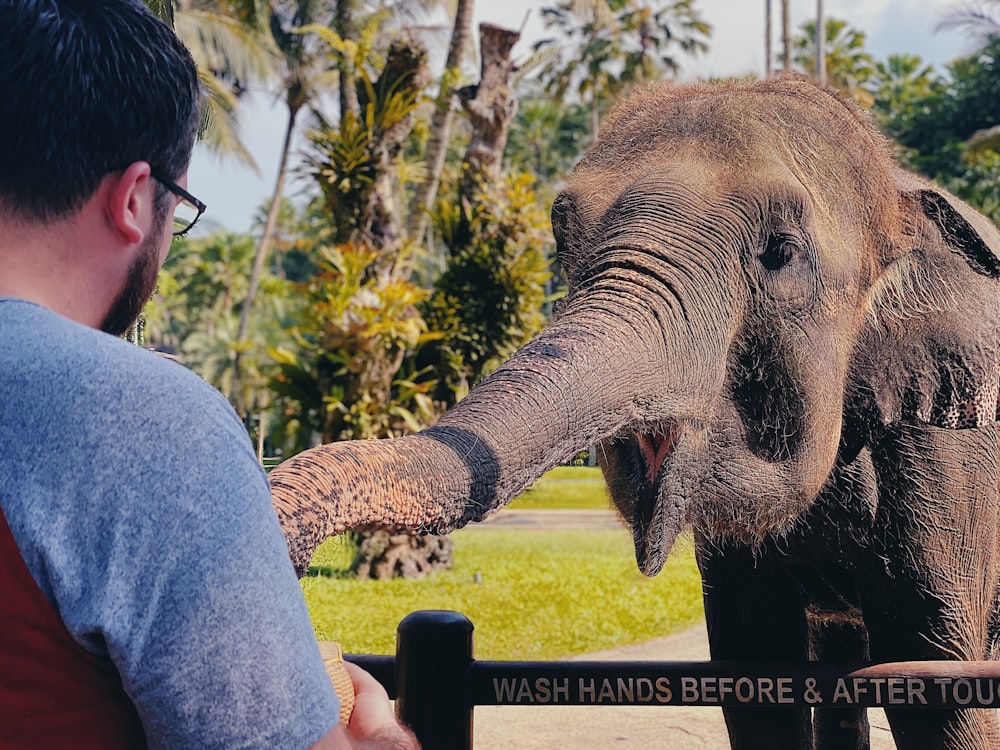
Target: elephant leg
(931, 585)
(837, 637)
(753, 612)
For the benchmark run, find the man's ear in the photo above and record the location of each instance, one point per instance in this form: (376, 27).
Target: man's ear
(130, 201)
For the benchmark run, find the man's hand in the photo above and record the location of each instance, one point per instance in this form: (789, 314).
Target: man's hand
(373, 725)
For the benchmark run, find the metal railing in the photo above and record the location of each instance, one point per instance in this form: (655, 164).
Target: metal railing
(437, 682)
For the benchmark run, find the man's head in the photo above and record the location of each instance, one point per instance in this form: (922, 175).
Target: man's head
(90, 86)
(103, 110)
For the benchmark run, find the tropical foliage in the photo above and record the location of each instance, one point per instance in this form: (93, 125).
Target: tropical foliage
(848, 66)
(605, 47)
(953, 135)
(489, 300)
(902, 88)
(946, 126)
(979, 18)
(194, 316)
(547, 139)
(343, 378)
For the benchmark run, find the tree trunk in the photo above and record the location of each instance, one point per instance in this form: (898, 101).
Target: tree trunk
(437, 146)
(262, 248)
(491, 107)
(383, 556)
(786, 36)
(405, 74)
(344, 21)
(820, 44)
(767, 39)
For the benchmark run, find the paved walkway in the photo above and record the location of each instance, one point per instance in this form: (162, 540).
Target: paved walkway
(574, 520)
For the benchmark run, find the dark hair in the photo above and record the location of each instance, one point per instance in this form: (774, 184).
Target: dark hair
(88, 87)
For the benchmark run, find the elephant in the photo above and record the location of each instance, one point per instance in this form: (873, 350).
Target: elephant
(778, 340)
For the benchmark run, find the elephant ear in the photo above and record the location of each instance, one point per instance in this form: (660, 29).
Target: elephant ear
(568, 230)
(930, 351)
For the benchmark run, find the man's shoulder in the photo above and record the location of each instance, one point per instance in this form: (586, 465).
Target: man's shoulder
(63, 380)
(129, 433)
(57, 351)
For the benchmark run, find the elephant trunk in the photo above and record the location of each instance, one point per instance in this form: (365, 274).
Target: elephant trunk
(560, 393)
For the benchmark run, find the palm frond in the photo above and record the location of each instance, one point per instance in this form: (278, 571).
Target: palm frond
(982, 141)
(980, 20)
(220, 43)
(220, 126)
(600, 10)
(162, 9)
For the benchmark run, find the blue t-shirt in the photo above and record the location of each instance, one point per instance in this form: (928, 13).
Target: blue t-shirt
(139, 507)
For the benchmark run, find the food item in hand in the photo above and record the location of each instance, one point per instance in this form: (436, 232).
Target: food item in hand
(333, 660)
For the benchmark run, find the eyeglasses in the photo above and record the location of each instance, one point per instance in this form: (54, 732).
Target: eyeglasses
(188, 211)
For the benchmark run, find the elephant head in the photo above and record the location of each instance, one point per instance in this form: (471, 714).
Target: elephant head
(754, 289)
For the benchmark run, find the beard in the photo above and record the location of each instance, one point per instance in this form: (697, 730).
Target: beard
(139, 287)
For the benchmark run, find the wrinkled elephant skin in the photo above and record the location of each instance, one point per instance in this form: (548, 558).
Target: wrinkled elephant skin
(779, 340)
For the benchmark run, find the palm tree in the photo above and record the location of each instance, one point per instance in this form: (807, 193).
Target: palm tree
(226, 43)
(786, 36)
(437, 145)
(304, 76)
(547, 139)
(767, 38)
(901, 85)
(980, 19)
(230, 56)
(614, 44)
(195, 316)
(848, 66)
(307, 72)
(820, 44)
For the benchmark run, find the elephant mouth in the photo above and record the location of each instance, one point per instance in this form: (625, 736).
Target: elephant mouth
(656, 448)
(637, 466)
(655, 520)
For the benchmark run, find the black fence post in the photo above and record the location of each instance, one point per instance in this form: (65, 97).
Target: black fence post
(433, 666)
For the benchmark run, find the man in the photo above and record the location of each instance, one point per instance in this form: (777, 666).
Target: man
(147, 596)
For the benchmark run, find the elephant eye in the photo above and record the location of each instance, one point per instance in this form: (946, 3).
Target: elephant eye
(778, 252)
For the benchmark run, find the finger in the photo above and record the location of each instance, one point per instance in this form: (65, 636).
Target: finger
(364, 682)
(372, 710)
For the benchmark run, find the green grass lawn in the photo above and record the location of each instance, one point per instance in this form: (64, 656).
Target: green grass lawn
(538, 595)
(576, 487)
(530, 594)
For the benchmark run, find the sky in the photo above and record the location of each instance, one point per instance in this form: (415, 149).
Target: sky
(234, 193)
